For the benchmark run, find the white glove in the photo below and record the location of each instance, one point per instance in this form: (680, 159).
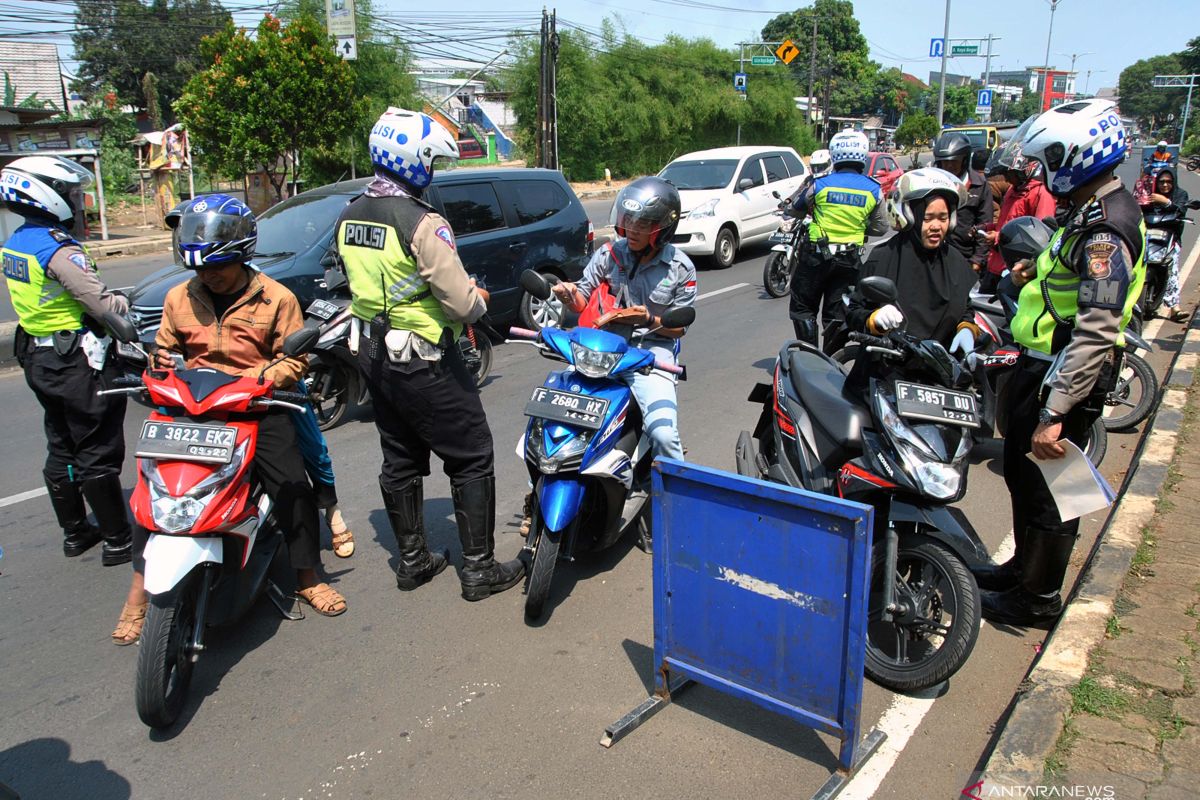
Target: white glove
(887, 318)
(964, 341)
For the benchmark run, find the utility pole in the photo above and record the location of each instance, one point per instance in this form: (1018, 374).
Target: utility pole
(540, 150)
(945, 54)
(828, 87)
(987, 76)
(812, 67)
(1046, 63)
(553, 93)
(547, 144)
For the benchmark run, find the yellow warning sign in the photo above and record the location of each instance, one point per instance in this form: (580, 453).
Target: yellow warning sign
(787, 52)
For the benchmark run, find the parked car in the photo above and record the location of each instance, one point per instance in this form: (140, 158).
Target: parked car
(883, 168)
(505, 221)
(728, 197)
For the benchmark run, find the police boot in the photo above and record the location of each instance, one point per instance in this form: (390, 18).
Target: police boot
(475, 512)
(405, 510)
(1036, 600)
(107, 500)
(806, 330)
(1002, 577)
(66, 499)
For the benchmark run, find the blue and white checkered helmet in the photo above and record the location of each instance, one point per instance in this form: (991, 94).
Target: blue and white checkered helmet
(213, 230)
(45, 184)
(849, 147)
(1076, 143)
(404, 144)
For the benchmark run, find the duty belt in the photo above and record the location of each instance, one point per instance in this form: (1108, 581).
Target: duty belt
(843, 247)
(48, 340)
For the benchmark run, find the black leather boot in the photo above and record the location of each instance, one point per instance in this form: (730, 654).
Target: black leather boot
(1036, 601)
(66, 499)
(475, 512)
(405, 509)
(107, 500)
(1002, 577)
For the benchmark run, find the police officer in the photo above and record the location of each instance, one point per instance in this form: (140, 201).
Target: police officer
(1075, 302)
(952, 152)
(411, 293)
(59, 298)
(846, 207)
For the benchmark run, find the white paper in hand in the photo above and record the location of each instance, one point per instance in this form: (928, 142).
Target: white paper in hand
(1077, 487)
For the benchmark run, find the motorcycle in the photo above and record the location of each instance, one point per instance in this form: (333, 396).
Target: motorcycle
(785, 248)
(212, 543)
(587, 455)
(1193, 163)
(1164, 230)
(902, 447)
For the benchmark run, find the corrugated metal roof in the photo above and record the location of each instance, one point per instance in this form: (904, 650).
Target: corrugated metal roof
(33, 67)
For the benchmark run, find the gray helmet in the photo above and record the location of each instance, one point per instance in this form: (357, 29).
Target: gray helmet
(1023, 239)
(951, 146)
(653, 200)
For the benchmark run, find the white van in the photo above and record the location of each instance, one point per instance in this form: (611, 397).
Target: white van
(729, 197)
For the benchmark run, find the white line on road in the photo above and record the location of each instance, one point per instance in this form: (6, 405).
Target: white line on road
(899, 722)
(18, 498)
(716, 292)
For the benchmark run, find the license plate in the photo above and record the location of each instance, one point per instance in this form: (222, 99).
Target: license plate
(935, 404)
(322, 309)
(779, 237)
(570, 408)
(180, 441)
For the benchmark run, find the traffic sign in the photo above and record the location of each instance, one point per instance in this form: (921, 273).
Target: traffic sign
(985, 98)
(787, 51)
(936, 47)
(964, 49)
(739, 81)
(347, 47)
(763, 61)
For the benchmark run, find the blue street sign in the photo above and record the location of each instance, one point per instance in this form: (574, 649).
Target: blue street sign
(985, 98)
(739, 81)
(936, 47)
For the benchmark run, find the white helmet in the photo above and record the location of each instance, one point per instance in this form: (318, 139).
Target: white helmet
(848, 147)
(44, 183)
(917, 185)
(1076, 143)
(405, 143)
(1162, 144)
(820, 162)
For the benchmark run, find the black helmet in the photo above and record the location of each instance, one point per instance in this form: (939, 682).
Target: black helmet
(1024, 239)
(650, 199)
(951, 146)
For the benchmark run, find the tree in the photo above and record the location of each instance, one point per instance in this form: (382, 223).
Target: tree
(118, 41)
(267, 99)
(960, 104)
(1139, 98)
(916, 130)
(116, 153)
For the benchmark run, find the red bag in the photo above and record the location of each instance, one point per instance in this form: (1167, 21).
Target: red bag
(599, 303)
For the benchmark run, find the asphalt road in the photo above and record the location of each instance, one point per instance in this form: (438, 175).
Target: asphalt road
(424, 695)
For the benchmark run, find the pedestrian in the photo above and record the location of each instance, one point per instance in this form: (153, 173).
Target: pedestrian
(1026, 197)
(846, 207)
(1075, 303)
(60, 344)
(952, 152)
(412, 294)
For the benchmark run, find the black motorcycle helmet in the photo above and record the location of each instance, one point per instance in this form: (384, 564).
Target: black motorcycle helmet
(952, 147)
(651, 200)
(1024, 239)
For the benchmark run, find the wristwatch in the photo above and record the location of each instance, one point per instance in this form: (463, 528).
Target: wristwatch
(1048, 417)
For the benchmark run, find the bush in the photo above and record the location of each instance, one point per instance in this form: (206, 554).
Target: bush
(1192, 146)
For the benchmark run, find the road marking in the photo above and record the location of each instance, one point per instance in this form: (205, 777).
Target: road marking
(23, 496)
(900, 721)
(716, 292)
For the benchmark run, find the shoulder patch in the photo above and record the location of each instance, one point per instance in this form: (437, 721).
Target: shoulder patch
(60, 236)
(1099, 258)
(446, 235)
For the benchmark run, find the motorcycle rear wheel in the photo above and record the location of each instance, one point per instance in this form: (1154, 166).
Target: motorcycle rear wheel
(918, 650)
(1152, 294)
(1097, 443)
(1133, 398)
(541, 574)
(777, 275)
(164, 665)
(329, 391)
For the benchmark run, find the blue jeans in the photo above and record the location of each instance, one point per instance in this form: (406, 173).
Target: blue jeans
(315, 451)
(655, 395)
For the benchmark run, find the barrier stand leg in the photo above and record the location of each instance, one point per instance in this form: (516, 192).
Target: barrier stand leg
(838, 780)
(648, 708)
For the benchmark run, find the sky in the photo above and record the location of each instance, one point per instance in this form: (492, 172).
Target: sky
(1104, 34)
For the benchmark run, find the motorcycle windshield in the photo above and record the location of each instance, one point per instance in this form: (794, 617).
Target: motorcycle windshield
(1004, 157)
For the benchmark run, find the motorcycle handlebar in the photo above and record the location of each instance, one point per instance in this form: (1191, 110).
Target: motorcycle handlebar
(523, 333)
(127, 382)
(290, 397)
(674, 369)
(873, 341)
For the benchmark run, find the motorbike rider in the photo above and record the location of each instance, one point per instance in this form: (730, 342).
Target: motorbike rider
(1156, 191)
(1161, 155)
(1027, 197)
(1075, 302)
(846, 207)
(412, 294)
(59, 299)
(952, 152)
(820, 163)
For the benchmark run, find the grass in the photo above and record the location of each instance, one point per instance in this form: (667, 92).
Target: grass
(1144, 556)
(1090, 697)
(1112, 627)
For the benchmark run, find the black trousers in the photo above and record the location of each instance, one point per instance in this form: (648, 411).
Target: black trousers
(820, 279)
(422, 408)
(280, 467)
(1033, 506)
(85, 433)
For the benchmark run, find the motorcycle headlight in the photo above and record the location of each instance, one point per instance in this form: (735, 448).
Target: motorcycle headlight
(176, 514)
(896, 425)
(569, 455)
(593, 363)
(334, 333)
(708, 209)
(938, 480)
(787, 224)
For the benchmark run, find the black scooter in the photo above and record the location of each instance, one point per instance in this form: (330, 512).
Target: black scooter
(1164, 231)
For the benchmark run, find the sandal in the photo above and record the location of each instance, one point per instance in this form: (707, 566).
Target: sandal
(527, 517)
(343, 537)
(324, 599)
(1179, 315)
(129, 626)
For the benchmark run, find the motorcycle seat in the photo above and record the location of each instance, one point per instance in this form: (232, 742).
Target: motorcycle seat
(821, 386)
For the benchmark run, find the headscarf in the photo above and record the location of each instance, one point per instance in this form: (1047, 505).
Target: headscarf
(1174, 183)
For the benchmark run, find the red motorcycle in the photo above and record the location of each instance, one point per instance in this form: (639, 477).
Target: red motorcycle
(212, 542)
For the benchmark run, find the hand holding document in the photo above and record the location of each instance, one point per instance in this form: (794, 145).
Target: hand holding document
(1077, 487)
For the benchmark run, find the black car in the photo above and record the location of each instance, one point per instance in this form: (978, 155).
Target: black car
(505, 221)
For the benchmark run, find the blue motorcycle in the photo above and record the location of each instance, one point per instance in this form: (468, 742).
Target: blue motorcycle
(584, 446)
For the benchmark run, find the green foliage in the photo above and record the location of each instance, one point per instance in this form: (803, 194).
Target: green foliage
(150, 97)
(1139, 98)
(118, 41)
(917, 129)
(117, 159)
(268, 98)
(843, 62)
(960, 104)
(32, 101)
(1192, 146)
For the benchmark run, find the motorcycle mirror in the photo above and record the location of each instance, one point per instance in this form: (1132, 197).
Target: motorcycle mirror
(330, 259)
(878, 291)
(335, 279)
(1194, 205)
(1050, 222)
(775, 194)
(678, 317)
(120, 327)
(536, 284)
(301, 342)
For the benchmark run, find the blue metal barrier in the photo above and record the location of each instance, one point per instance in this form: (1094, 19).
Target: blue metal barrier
(760, 591)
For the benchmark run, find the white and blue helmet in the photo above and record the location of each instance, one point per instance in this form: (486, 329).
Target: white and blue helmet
(847, 147)
(213, 230)
(43, 184)
(1076, 143)
(404, 145)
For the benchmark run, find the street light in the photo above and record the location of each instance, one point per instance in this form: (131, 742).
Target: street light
(1046, 63)
(1088, 82)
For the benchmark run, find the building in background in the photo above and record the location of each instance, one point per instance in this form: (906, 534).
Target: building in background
(31, 74)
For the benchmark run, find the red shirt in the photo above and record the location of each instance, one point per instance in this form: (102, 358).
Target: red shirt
(1030, 200)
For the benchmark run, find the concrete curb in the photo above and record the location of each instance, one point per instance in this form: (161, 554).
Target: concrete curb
(136, 245)
(597, 194)
(1041, 706)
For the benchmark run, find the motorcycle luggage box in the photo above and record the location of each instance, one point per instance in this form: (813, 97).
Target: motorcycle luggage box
(821, 387)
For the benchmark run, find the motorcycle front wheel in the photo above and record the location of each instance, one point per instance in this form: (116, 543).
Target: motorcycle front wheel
(541, 573)
(1132, 399)
(329, 390)
(777, 276)
(164, 665)
(933, 634)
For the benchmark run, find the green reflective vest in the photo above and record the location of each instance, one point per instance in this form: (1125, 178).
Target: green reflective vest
(43, 305)
(841, 207)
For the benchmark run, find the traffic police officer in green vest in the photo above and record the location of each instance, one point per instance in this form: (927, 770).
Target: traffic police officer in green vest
(846, 207)
(59, 299)
(411, 297)
(1075, 302)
